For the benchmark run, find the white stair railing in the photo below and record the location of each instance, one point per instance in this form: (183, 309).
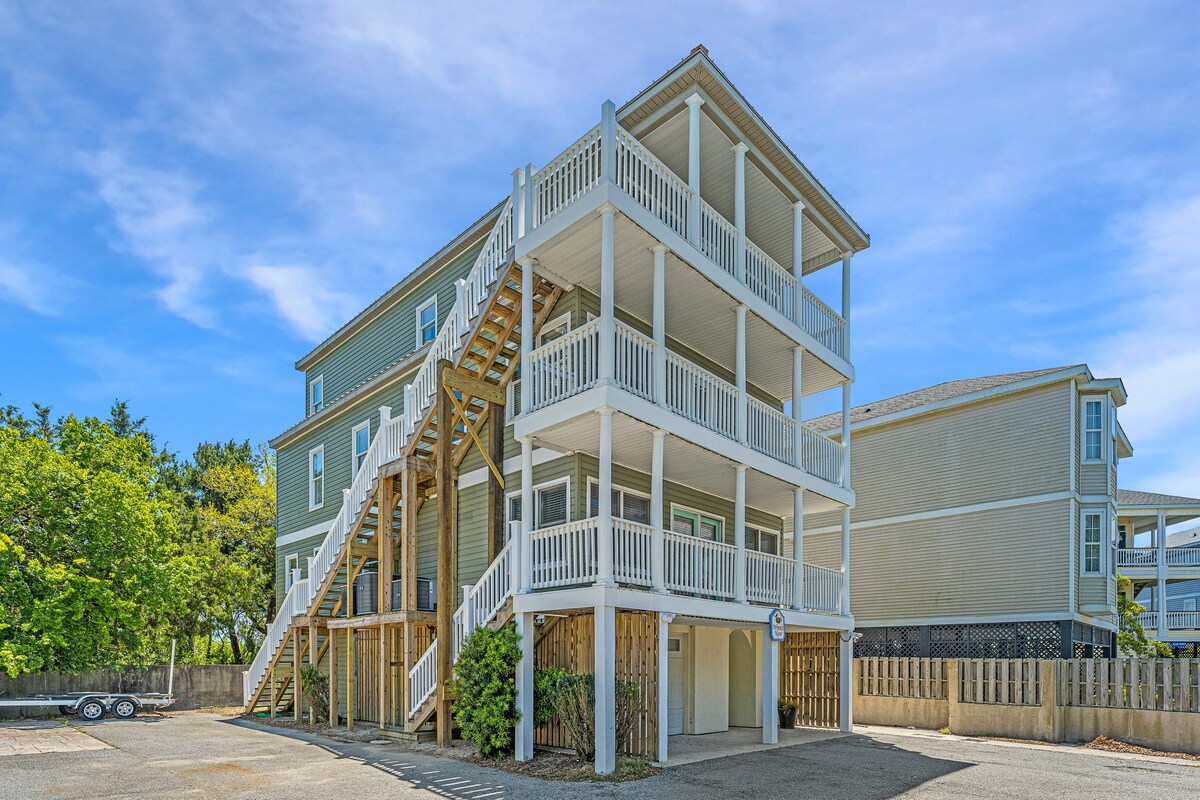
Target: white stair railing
(480, 606)
(292, 605)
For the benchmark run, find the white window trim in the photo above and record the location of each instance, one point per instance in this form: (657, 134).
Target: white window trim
(312, 405)
(290, 564)
(432, 301)
(312, 504)
(560, 319)
(1104, 554)
(366, 423)
(587, 496)
(1083, 428)
(777, 533)
(537, 487)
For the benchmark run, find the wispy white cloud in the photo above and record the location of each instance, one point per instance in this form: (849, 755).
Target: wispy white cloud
(34, 288)
(303, 299)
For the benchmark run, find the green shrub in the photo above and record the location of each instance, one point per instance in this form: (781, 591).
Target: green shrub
(486, 689)
(576, 707)
(547, 686)
(316, 692)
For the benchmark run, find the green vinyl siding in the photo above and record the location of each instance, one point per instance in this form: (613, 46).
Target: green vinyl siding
(303, 548)
(390, 336)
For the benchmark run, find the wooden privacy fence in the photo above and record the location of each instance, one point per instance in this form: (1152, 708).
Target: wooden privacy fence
(1149, 684)
(1000, 681)
(810, 677)
(923, 678)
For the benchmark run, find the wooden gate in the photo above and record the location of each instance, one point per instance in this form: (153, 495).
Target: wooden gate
(366, 675)
(810, 677)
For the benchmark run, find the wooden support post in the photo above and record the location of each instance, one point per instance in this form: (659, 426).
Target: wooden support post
(385, 677)
(313, 661)
(333, 676)
(408, 529)
(274, 692)
(349, 679)
(495, 500)
(447, 560)
(406, 700)
(387, 507)
(297, 683)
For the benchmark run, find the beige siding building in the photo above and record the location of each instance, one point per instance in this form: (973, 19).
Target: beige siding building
(986, 520)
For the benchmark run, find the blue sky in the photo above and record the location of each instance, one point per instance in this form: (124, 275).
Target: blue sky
(192, 194)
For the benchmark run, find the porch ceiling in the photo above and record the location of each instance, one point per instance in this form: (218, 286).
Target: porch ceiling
(684, 462)
(575, 257)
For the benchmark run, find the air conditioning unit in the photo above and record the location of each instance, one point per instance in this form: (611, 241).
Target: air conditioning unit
(366, 592)
(426, 593)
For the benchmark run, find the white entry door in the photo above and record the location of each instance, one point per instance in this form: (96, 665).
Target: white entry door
(676, 671)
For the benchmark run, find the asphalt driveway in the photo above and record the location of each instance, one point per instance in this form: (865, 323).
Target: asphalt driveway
(195, 754)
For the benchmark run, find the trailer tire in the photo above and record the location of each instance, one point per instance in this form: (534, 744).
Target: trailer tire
(91, 710)
(124, 708)
(66, 711)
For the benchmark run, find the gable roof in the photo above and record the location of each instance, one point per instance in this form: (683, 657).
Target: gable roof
(1131, 497)
(949, 390)
(698, 69)
(1188, 538)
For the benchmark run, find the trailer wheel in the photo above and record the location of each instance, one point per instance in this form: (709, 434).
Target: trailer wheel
(91, 710)
(124, 708)
(66, 711)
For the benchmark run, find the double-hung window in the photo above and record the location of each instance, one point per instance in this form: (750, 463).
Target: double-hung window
(290, 565)
(316, 394)
(1093, 542)
(626, 504)
(551, 504)
(1093, 430)
(427, 321)
(316, 478)
(694, 523)
(360, 441)
(762, 541)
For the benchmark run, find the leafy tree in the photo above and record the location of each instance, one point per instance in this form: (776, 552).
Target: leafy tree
(1131, 636)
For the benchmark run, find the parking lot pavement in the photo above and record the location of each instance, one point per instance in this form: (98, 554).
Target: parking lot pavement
(195, 754)
(25, 738)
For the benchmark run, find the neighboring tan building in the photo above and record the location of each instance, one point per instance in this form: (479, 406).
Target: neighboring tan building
(986, 519)
(574, 418)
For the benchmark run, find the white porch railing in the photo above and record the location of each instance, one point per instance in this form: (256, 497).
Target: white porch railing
(769, 578)
(633, 550)
(770, 281)
(567, 178)
(823, 457)
(698, 566)
(770, 431)
(564, 555)
(700, 396)
(823, 323)
(718, 239)
(651, 184)
(293, 604)
(635, 362)
(1148, 557)
(565, 367)
(822, 589)
(1176, 621)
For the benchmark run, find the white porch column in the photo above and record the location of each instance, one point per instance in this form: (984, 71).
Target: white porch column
(524, 733)
(663, 680)
(604, 533)
(846, 299)
(770, 688)
(658, 543)
(1160, 543)
(608, 322)
(740, 373)
(739, 531)
(798, 261)
(845, 684)
(694, 102)
(526, 550)
(845, 561)
(527, 320)
(846, 435)
(739, 208)
(798, 548)
(798, 406)
(606, 689)
(608, 141)
(659, 323)
(516, 564)
(530, 200)
(518, 203)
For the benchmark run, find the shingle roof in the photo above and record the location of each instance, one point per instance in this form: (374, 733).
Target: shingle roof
(932, 394)
(1188, 538)
(1129, 497)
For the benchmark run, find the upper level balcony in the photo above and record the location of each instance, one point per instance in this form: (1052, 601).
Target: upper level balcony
(609, 166)
(1172, 625)
(1177, 560)
(570, 366)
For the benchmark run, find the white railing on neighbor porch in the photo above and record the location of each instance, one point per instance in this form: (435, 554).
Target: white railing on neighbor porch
(700, 566)
(822, 589)
(1176, 621)
(292, 605)
(1148, 557)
